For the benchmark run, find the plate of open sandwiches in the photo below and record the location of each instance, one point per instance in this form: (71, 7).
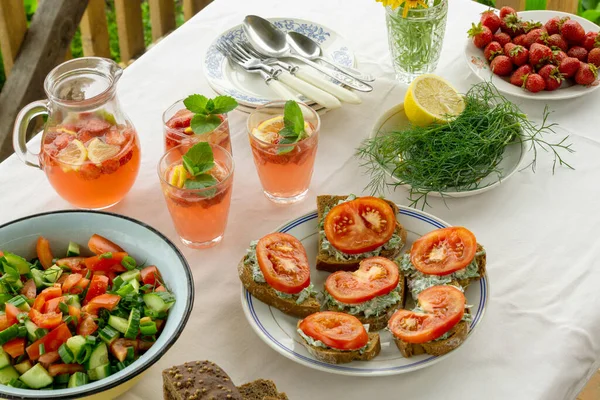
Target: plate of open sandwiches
(364, 287)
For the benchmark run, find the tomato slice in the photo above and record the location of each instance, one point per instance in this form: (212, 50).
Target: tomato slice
(282, 260)
(59, 369)
(150, 275)
(49, 358)
(98, 286)
(75, 264)
(360, 225)
(44, 253)
(337, 330)
(29, 290)
(52, 305)
(87, 326)
(11, 313)
(100, 245)
(52, 341)
(15, 347)
(376, 276)
(444, 251)
(45, 295)
(108, 301)
(49, 320)
(72, 280)
(444, 307)
(106, 263)
(80, 286)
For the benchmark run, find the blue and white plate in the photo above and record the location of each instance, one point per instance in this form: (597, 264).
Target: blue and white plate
(278, 330)
(249, 89)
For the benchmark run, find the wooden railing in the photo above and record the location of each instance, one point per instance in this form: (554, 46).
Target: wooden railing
(569, 6)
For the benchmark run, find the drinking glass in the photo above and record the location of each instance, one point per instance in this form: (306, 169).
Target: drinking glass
(416, 40)
(285, 170)
(199, 215)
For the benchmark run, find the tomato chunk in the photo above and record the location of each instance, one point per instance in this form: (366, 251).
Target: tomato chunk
(49, 320)
(29, 290)
(52, 305)
(87, 326)
(106, 263)
(80, 286)
(4, 322)
(45, 295)
(59, 369)
(98, 286)
(108, 301)
(118, 348)
(15, 348)
(150, 275)
(100, 245)
(43, 252)
(75, 264)
(11, 314)
(72, 280)
(52, 341)
(49, 358)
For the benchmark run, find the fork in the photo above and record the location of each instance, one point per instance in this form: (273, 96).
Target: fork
(312, 92)
(269, 79)
(306, 75)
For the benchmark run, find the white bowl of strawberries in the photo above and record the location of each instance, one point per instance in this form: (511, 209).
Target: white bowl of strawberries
(544, 55)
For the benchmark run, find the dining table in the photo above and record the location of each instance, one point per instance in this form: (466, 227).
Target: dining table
(540, 335)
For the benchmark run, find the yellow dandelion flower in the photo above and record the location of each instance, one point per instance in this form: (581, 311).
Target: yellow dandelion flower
(408, 4)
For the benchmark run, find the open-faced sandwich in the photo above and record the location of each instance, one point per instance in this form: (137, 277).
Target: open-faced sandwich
(275, 270)
(371, 293)
(442, 257)
(337, 338)
(436, 326)
(354, 228)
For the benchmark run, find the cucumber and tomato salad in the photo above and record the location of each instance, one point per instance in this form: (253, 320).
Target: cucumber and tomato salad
(65, 322)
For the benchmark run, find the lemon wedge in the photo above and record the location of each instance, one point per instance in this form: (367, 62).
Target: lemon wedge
(430, 99)
(98, 151)
(178, 176)
(73, 156)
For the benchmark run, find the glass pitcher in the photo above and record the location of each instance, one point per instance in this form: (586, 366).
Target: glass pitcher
(90, 150)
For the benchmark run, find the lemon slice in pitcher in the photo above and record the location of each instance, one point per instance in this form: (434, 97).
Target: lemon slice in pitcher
(73, 156)
(98, 151)
(430, 99)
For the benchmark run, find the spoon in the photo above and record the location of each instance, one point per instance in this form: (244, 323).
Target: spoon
(308, 48)
(272, 42)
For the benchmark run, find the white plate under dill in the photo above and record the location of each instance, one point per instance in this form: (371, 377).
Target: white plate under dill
(395, 119)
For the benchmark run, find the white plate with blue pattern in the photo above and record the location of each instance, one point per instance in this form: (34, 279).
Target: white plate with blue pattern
(249, 89)
(278, 330)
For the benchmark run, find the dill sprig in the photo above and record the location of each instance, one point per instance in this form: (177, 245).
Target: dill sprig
(457, 155)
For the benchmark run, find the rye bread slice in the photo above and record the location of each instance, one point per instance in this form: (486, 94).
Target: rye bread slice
(265, 293)
(198, 380)
(326, 262)
(333, 356)
(261, 389)
(458, 334)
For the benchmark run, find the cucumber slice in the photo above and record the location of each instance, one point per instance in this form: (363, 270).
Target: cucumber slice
(73, 250)
(7, 374)
(76, 344)
(4, 358)
(73, 300)
(135, 285)
(118, 323)
(37, 377)
(129, 275)
(78, 379)
(100, 372)
(61, 379)
(159, 301)
(38, 278)
(23, 367)
(20, 302)
(133, 326)
(99, 356)
(18, 262)
(53, 273)
(32, 330)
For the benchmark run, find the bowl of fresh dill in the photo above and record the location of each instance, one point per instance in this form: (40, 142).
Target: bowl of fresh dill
(475, 152)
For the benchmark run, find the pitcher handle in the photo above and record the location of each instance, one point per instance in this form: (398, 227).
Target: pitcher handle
(29, 112)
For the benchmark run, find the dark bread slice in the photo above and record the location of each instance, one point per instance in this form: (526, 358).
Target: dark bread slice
(458, 334)
(261, 389)
(198, 380)
(333, 356)
(325, 262)
(265, 293)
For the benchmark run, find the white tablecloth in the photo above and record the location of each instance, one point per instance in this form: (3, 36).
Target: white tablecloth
(539, 338)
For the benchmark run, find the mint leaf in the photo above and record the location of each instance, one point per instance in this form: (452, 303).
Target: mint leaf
(196, 103)
(210, 106)
(224, 104)
(288, 133)
(199, 159)
(202, 181)
(292, 117)
(204, 123)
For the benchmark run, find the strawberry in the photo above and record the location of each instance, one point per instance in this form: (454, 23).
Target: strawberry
(530, 25)
(535, 36)
(553, 25)
(586, 74)
(539, 55)
(534, 83)
(558, 56)
(512, 25)
(556, 42)
(594, 57)
(569, 66)
(491, 20)
(482, 35)
(572, 31)
(492, 50)
(518, 77)
(520, 40)
(504, 11)
(591, 40)
(552, 77)
(519, 55)
(501, 38)
(501, 65)
(578, 52)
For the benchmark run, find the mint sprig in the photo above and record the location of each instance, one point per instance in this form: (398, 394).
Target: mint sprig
(293, 130)
(198, 160)
(207, 110)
